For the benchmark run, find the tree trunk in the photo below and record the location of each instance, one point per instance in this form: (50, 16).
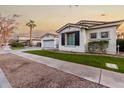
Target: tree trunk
(30, 43)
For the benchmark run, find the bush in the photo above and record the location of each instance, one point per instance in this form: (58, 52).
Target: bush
(16, 44)
(98, 46)
(120, 42)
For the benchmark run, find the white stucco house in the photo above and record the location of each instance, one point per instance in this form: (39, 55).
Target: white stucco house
(26, 39)
(75, 37)
(49, 41)
(36, 42)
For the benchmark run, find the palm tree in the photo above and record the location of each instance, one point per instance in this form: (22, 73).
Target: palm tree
(31, 24)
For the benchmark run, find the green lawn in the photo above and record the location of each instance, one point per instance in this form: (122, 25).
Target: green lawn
(91, 60)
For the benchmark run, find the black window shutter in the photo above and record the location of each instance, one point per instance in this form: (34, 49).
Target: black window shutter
(63, 38)
(77, 38)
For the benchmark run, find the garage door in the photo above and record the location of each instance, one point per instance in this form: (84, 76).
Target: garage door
(48, 43)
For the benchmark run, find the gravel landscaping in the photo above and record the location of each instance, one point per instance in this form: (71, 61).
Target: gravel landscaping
(24, 73)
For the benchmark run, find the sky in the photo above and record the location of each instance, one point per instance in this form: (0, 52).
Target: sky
(49, 18)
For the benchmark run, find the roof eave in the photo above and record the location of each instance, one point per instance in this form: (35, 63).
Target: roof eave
(103, 26)
(49, 34)
(70, 25)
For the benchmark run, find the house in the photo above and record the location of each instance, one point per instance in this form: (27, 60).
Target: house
(49, 41)
(26, 40)
(36, 42)
(75, 37)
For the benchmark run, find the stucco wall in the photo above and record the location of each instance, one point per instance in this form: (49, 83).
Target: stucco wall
(81, 47)
(112, 37)
(50, 37)
(85, 38)
(34, 42)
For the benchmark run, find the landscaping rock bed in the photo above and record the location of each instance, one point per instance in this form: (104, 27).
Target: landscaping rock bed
(24, 73)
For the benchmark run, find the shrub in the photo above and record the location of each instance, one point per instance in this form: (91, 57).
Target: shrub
(98, 46)
(16, 44)
(120, 42)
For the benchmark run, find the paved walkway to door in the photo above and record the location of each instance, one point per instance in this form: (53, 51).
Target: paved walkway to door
(107, 78)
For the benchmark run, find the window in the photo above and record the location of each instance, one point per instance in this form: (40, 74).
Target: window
(104, 34)
(63, 38)
(93, 35)
(77, 38)
(71, 38)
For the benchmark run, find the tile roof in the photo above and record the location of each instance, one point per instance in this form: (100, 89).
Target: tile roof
(55, 35)
(87, 24)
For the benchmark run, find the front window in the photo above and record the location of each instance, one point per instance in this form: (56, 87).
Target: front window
(104, 34)
(93, 35)
(70, 38)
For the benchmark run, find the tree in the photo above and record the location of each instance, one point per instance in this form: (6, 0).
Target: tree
(31, 24)
(122, 35)
(7, 25)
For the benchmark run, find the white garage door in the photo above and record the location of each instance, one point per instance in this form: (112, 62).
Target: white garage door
(48, 43)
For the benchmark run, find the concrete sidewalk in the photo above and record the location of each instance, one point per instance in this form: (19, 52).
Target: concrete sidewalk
(4, 83)
(3, 51)
(108, 78)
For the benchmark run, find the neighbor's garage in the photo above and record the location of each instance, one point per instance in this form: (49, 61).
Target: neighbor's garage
(48, 43)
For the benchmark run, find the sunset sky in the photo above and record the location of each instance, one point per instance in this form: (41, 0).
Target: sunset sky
(50, 18)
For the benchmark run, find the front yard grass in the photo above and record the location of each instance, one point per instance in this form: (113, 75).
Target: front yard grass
(91, 60)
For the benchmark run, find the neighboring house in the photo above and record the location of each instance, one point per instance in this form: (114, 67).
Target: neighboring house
(75, 37)
(36, 42)
(25, 40)
(49, 41)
